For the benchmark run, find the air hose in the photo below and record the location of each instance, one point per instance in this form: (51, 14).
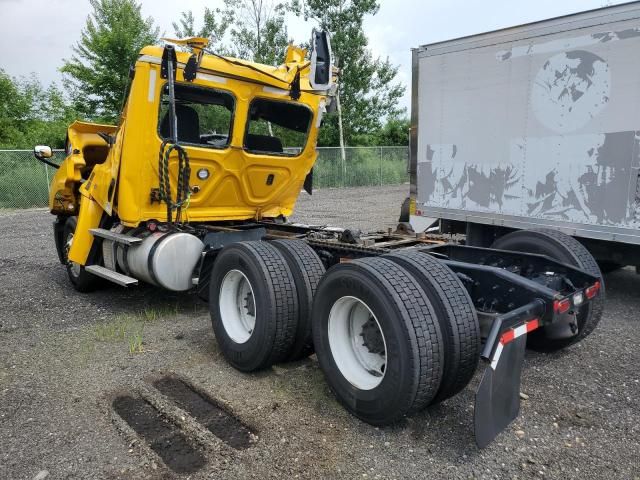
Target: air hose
(183, 190)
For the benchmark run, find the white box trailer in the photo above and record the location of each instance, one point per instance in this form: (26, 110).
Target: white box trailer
(533, 126)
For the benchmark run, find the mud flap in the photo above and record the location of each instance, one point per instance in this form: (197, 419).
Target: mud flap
(498, 396)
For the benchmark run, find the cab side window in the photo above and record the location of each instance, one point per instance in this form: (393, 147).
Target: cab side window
(277, 127)
(204, 116)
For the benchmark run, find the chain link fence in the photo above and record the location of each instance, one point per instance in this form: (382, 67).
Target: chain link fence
(362, 166)
(24, 181)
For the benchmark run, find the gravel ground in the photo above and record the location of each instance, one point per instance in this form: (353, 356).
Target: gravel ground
(62, 362)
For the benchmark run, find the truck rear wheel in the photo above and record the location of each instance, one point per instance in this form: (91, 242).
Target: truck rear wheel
(565, 249)
(81, 280)
(307, 270)
(456, 314)
(253, 305)
(377, 340)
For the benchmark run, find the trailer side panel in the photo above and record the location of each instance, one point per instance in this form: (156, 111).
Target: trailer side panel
(534, 126)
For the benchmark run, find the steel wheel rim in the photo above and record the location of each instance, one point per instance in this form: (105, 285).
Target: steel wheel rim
(237, 306)
(357, 343)
(74, 267)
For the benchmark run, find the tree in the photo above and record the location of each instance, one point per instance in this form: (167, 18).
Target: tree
(260, 32)
(31, 115)
(15, 108)
(215, 23)
(110, 42)
(250, 29)
(368, 91)
(395, 132)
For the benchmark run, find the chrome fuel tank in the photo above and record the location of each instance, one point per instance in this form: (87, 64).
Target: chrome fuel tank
(167, 260)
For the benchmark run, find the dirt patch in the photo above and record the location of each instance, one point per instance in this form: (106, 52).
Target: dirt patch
(207, 411)
(163, 438)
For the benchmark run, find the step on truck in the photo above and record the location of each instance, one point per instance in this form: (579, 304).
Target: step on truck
(192, 190)
(531, 127)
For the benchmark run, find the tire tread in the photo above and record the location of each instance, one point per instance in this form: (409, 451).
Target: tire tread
(301, 257)
(421, 319)
(459, 324)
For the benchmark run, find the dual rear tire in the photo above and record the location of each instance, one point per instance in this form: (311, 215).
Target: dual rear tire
(377, 339)
(392, 334)
(260, 301)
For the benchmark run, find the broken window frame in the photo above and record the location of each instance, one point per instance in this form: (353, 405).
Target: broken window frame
(304, 145)
(206, 89)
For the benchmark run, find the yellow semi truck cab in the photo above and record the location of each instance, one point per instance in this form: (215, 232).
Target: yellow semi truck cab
(246, 136)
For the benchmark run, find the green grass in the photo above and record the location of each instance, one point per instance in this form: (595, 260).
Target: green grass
(164, 311)
(134, 338)
(129, 327)
(150, 315)
(124, 327)
(116, 330)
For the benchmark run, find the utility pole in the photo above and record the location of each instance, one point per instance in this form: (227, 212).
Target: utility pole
(343, 156)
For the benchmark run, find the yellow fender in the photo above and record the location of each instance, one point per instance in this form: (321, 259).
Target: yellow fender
(90, 216)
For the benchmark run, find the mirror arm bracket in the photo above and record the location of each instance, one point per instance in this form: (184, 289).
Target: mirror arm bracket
(47, 162)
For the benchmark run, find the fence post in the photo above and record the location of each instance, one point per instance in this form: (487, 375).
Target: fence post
(343, 165)
(380, 166)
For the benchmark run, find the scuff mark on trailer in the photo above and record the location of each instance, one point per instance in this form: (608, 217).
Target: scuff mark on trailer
(563, 44)
(580, 178)
(588, 180)
(607, 183)
(461, 185)
(570, 90)
(629, 33)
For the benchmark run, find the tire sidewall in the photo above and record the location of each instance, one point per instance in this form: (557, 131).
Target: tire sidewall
(542, 245)
(260, 343)
(369, 405)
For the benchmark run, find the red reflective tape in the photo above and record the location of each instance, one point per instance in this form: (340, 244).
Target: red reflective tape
(511, 335)
(516, 332)
(507, 336)
(532, 325)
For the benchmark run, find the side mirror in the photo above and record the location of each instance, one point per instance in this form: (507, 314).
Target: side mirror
(42, 151)
(321, 61)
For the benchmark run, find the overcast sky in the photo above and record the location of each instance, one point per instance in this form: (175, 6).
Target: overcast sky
(35, 35)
